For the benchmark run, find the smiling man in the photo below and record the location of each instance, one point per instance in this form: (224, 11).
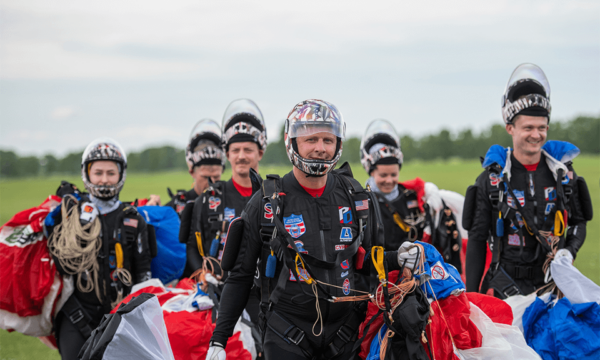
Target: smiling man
(309, 225)
(529, 203)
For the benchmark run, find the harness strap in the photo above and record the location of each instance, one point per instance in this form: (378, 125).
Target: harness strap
(77, 315)
(289, 332)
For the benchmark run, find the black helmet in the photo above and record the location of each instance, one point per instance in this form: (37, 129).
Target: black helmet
(205, 145)
(527, 93)
(380, 145)
(243, 121)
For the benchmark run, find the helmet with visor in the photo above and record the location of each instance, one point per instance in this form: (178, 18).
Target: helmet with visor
(205, 145)
(527, 93)
(243, 122)
(103, 149)
(380, 145)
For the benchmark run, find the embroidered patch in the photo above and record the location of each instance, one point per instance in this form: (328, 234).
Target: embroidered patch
(340, 247)
(88, 209)
(303, 275)
(130, 222)
(411, 204)
(179, 208)
(520, 197)
(513, 239)
(268, 211)
(346, 234)
(229, 214)
(214, 202)
(494, 179)
(549, 207)
(112, 262)
(300, 246)
(345, 215)
(294, 225)
(345, 265)
(438, 272)
(344, 274)
(519, 219)
(346, 287)
(550, 193)
(361, 205)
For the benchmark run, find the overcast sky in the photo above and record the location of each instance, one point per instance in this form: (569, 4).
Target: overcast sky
(144, 72)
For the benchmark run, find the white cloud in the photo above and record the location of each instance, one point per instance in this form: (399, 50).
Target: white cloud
(63, 112)
(151, 133)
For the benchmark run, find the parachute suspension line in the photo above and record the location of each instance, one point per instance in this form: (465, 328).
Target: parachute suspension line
(443, 317)
(77, 246)
(318, 308)
(313, 283)
(122, 274)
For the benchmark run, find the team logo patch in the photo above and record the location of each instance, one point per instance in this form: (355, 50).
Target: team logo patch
(438, 272)
(179, 208)
(214, 202)
(229, 214)
(361, 205)
(346, 234)
(520, 197)
(513, 239)
(550, 193)
(345, 265)
(567, 177)
(112, 262)
(294, 225)
(130, 222)
(88, 209)
(340, 247)
(346, 287)
(300, 247)
(411, 204)
(549, 207)
(519, 219)
(345, 215)
(494, 179)
(268, 211)
(113, 275)
(344, 274)
(303, 275)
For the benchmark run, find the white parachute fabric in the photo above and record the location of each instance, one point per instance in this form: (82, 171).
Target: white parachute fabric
(246, 334)
(499, 341)
(455, 201)
(574, 285)
(141, 334)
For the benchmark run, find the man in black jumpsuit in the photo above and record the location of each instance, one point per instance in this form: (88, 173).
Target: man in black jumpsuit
(320, 216)
(404, 218)
(205, 160)
(529, 202)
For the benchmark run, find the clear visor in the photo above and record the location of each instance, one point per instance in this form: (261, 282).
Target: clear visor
(529, 71)
(379, 126)
(242, 106)
(109, 146)
(306, 128)
(205, 126)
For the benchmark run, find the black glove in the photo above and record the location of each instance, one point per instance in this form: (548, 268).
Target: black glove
(66, 188)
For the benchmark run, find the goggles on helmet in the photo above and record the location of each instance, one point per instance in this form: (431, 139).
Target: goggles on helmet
(527, 92)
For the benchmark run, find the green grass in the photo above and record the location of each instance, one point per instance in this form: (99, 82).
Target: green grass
(455, 175)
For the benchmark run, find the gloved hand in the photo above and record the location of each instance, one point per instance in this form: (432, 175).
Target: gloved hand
(216, 352)
(562, 253)
(408, 252)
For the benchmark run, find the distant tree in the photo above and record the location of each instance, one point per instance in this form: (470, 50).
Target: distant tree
(9, 164)
(49, 164)
(350, 151)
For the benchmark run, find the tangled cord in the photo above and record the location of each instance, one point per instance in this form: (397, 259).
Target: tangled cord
(77, 246)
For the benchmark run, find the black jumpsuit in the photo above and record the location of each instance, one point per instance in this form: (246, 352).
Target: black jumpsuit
(321, 227)
(536, 192)
(136, 259)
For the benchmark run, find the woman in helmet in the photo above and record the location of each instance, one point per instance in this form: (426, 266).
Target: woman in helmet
(101, 242)
(411, 210)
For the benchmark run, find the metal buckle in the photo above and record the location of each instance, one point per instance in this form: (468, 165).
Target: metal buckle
(343, 334)
(297, 339)
(76, 316)
(515, 291)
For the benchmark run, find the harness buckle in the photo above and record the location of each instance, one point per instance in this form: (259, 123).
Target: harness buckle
(345, 333)
(76, 316)
(512, 290)
(297, 337)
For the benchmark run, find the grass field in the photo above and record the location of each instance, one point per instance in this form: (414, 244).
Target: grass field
(16, 195)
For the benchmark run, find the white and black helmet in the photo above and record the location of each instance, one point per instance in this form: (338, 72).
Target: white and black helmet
(243, 121)
(205, 145)
(311, 117)
(103, 149)
(527, 93)
(380, 145)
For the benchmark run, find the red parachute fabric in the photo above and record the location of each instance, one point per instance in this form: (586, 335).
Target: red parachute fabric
(190, 332)
(497, 310)
(26, 268)
(452, 320)
(463, 260)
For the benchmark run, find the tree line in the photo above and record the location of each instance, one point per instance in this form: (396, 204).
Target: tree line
(582, 131)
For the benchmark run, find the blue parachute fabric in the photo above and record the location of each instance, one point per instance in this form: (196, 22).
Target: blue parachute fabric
(443, 278)
(563, 331)
(170, 260)
(375, 348)
(561, 150)
(495, 155)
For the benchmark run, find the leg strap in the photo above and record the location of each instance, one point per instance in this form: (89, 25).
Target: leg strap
(77, 316)
(289, 332)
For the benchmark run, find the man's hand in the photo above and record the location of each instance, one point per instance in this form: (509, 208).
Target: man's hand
(408, 253)
(216, 352)
(154, 200)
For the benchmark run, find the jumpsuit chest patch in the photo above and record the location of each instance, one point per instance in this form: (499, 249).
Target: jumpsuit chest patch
(294, 225)
(345, 265)
(513, 239)
(411, 204)
(346, 234)
(550, 193)
(229, 214)
(130, 222)
(214, 202)
(268, 211)
(345, 214)
(494, 179)
(520, 197)
(346, 287)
